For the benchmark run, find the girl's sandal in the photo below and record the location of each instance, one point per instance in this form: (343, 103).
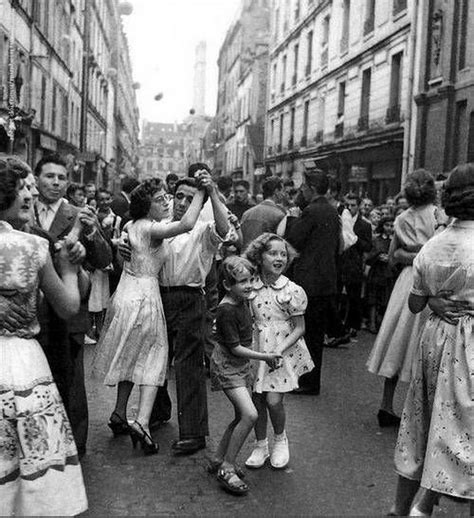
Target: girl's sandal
(231, 482)
(214, 465)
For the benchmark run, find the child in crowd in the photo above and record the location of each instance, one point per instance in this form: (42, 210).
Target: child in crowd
(278, 308)
(380, 278)
(230, 367)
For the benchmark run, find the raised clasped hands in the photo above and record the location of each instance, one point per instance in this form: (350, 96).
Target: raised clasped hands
(447, 309)
(205, 181)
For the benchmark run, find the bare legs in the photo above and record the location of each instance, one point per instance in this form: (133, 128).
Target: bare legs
(124, 389)
(404, 496)
(273, 402)
(239, 429)
(145, 404)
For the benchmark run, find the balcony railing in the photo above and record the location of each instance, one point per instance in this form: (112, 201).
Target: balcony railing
(324, 58)
(393, 114)
(363, 123)
(399, 6)
(344, 43)
(291, 142)
(339, 130)
(304, 141)
(369, 26)
(319, 137)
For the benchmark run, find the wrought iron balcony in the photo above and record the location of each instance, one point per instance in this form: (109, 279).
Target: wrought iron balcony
(393, 114)
(304, 141)
(369, 26)
(339, 130)
(363, 123)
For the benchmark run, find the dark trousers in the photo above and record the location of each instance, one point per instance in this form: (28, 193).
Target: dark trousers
(185, 320)
(320, 318)
(354, 305)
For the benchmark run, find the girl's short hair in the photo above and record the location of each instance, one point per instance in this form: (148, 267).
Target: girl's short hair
(141, 196)
(261, 244)
(233, 266)
(12, 169)
(381, 223)
(458, 193)
(420, 188)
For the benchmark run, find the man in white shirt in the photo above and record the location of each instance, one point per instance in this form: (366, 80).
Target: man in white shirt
(182, 281)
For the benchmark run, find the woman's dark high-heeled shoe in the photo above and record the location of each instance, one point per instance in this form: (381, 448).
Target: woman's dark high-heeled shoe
(387, 419)
(118, 425)
(138, 434)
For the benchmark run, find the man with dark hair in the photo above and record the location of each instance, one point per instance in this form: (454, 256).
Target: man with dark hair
(317, 237)
(121, 203)
(196, 168)
(265, 216)
(224, 184)
(63, 341)
(171, 181)
(242, 200)
(352, 268)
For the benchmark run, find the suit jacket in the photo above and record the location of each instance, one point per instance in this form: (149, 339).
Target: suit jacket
(120, 205)
(316, 236)
(352, 260)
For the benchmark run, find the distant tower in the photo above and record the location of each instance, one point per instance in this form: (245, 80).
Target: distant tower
(199, 104)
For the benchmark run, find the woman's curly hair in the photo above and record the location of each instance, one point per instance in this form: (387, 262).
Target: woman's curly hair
(12, 169)
(261, 244)
(419, 188)
(141, 196)
(458, 193)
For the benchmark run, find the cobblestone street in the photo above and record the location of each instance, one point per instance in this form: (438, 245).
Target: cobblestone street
(341, 461)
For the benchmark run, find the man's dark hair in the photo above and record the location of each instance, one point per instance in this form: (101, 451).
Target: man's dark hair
(190, 182)
(141, 196)
(353, 196)
(129, 183)
(242, 183)
(72, 188)
(54, 158)
(288, 183)
(270, 185)
(172, 177)
(224, 183)
(102, 190)
(420, 188)
(318, 180)
(193, 168)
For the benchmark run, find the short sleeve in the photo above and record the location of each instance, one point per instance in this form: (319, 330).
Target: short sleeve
(293, 299)
(227, 327)
(419, 287)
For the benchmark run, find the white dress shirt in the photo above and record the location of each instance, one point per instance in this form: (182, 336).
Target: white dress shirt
(47, 212)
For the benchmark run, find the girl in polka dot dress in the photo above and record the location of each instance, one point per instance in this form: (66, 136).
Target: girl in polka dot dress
(278, 307)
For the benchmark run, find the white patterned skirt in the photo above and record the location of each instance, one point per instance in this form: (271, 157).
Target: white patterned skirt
(40, 472)
(133, 345)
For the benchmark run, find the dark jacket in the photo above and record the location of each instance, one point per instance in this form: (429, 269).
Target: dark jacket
(352, 260)
(120, 205)
(316, 236)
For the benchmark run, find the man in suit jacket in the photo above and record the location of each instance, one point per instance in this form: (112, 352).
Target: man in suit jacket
(316, 235)
(352, 264)
(63, 341)
(121, 202)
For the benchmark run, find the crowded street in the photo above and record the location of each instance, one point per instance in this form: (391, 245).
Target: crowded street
(342, 462)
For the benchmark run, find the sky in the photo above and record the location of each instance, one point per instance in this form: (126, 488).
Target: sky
(162, 36)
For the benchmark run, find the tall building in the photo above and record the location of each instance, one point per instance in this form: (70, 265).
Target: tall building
(57, 83)
(199, 100)
(242, 93)
(341, 90)
(444, 129)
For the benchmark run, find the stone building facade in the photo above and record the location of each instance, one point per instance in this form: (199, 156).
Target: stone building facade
(445, 86)
(242, 93)
(56, 83)
(340, 90)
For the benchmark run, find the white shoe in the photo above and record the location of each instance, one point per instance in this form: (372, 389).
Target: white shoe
(280, 454)
(258, 456)
(89, 341)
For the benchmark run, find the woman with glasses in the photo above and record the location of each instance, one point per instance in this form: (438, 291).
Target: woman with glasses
(133, 347)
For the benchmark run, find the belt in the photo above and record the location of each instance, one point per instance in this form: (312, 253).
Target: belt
(186, 289)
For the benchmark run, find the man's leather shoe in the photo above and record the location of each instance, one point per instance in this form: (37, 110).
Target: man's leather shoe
(336, 342)
(187, 446)
(305, 391)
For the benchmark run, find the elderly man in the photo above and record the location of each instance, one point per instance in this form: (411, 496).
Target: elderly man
(317, 237)
(63, 341)
(182, 281)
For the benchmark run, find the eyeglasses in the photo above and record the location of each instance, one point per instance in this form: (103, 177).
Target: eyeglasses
(162, 200)
(181, 196)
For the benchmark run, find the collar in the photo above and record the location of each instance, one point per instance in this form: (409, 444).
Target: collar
(268, 201)
(51, 206)
(279, 284)
(5, 226)
(125, 195)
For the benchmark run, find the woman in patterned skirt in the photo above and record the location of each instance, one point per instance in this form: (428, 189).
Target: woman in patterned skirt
(40, 472)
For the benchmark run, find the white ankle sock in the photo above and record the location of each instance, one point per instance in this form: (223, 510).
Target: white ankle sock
(281, 436)
(262, 444)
